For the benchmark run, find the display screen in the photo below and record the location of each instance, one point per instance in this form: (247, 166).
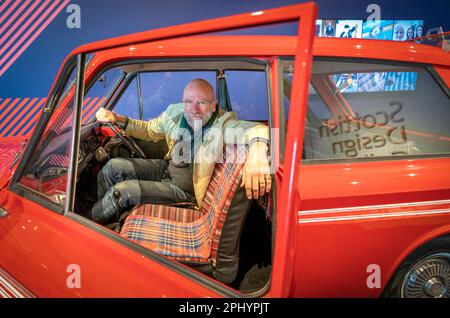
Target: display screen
(407, 29)
(378, 29)
(375, 82)
(397, 30)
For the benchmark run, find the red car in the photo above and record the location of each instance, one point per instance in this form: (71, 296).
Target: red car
(360, 146)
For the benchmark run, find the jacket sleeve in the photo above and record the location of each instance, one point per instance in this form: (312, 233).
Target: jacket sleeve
(244, 132)
(152, 130)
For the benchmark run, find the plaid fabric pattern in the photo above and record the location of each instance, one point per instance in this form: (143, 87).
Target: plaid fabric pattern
(168, 212)
(180, 234)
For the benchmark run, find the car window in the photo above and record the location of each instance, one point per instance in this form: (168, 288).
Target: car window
(373, 110)
(247, 91)
(128, 102)
(160, 89)
(96, 95)
(46, 170)
(248, 94)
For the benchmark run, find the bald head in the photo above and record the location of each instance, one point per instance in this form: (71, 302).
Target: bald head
(199, 84)
(199, 102)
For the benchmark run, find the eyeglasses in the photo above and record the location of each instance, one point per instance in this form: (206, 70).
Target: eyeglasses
(202, 102)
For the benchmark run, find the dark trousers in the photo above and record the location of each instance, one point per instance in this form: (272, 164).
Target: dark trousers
(139, 181)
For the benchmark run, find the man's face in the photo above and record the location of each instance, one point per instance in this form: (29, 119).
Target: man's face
(199, 104)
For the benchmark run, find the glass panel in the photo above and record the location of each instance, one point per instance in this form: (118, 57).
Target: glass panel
(160, 89)
(248, 94)
(46, 171)
(373, 110)
(128, 103)
(98, 93)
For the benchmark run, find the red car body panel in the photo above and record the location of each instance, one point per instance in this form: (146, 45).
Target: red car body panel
(332, 220)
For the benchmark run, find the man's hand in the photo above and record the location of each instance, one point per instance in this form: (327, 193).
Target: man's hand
(256, 172)
(106, 116)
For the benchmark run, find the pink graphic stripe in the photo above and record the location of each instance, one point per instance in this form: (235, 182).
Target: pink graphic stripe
(16, 56)
(18, 22)
(31, 112)
(14, 16)
(3, 6)
(88, 110)
(4, 15)
(17, 34)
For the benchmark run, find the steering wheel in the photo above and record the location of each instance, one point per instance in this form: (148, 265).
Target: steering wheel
(127, 140)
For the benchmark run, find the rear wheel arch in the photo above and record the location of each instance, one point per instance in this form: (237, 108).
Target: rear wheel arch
(432, 255)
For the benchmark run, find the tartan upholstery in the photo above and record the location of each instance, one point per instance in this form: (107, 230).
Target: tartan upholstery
(184, 234)
(170, 213)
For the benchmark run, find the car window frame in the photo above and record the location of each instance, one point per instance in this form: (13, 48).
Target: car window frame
(425, 66)
(55, 96)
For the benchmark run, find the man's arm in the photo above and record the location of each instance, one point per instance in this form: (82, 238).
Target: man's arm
(152, 130)
(256, 176)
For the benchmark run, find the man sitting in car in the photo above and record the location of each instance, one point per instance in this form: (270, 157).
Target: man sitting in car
(195, 131)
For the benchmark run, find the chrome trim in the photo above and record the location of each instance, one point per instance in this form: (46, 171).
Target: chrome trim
(373, 216)
(372, 207)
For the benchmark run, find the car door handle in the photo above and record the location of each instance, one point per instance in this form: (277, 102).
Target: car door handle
(3, 212)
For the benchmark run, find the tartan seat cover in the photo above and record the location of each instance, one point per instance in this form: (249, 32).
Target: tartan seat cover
(190, 235)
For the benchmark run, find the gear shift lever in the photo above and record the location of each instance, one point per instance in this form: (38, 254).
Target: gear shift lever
(116, 195)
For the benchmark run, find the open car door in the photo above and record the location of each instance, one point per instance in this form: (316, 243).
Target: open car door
(110, 265)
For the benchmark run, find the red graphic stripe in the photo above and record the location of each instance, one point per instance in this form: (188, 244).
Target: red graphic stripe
(7, 109)
(31, 123)
(18, 117)
(17, 34)
(88, 108)
(31, 112)
(3, 105)
(88, 103)
(38, 32)
(18, 22)
(11, 8)
(16, 109)
(94, 109)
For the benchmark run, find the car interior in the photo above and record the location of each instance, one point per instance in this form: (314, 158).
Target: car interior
(241, 242)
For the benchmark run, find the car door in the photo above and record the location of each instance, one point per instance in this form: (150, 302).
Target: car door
(373, 189)
(52, 252)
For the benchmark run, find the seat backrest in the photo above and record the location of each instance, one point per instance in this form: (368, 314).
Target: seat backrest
(229, 204)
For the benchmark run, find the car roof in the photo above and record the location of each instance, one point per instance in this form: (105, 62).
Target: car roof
(242, 45)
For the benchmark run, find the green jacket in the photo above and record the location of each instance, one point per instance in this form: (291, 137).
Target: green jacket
(227, 128)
